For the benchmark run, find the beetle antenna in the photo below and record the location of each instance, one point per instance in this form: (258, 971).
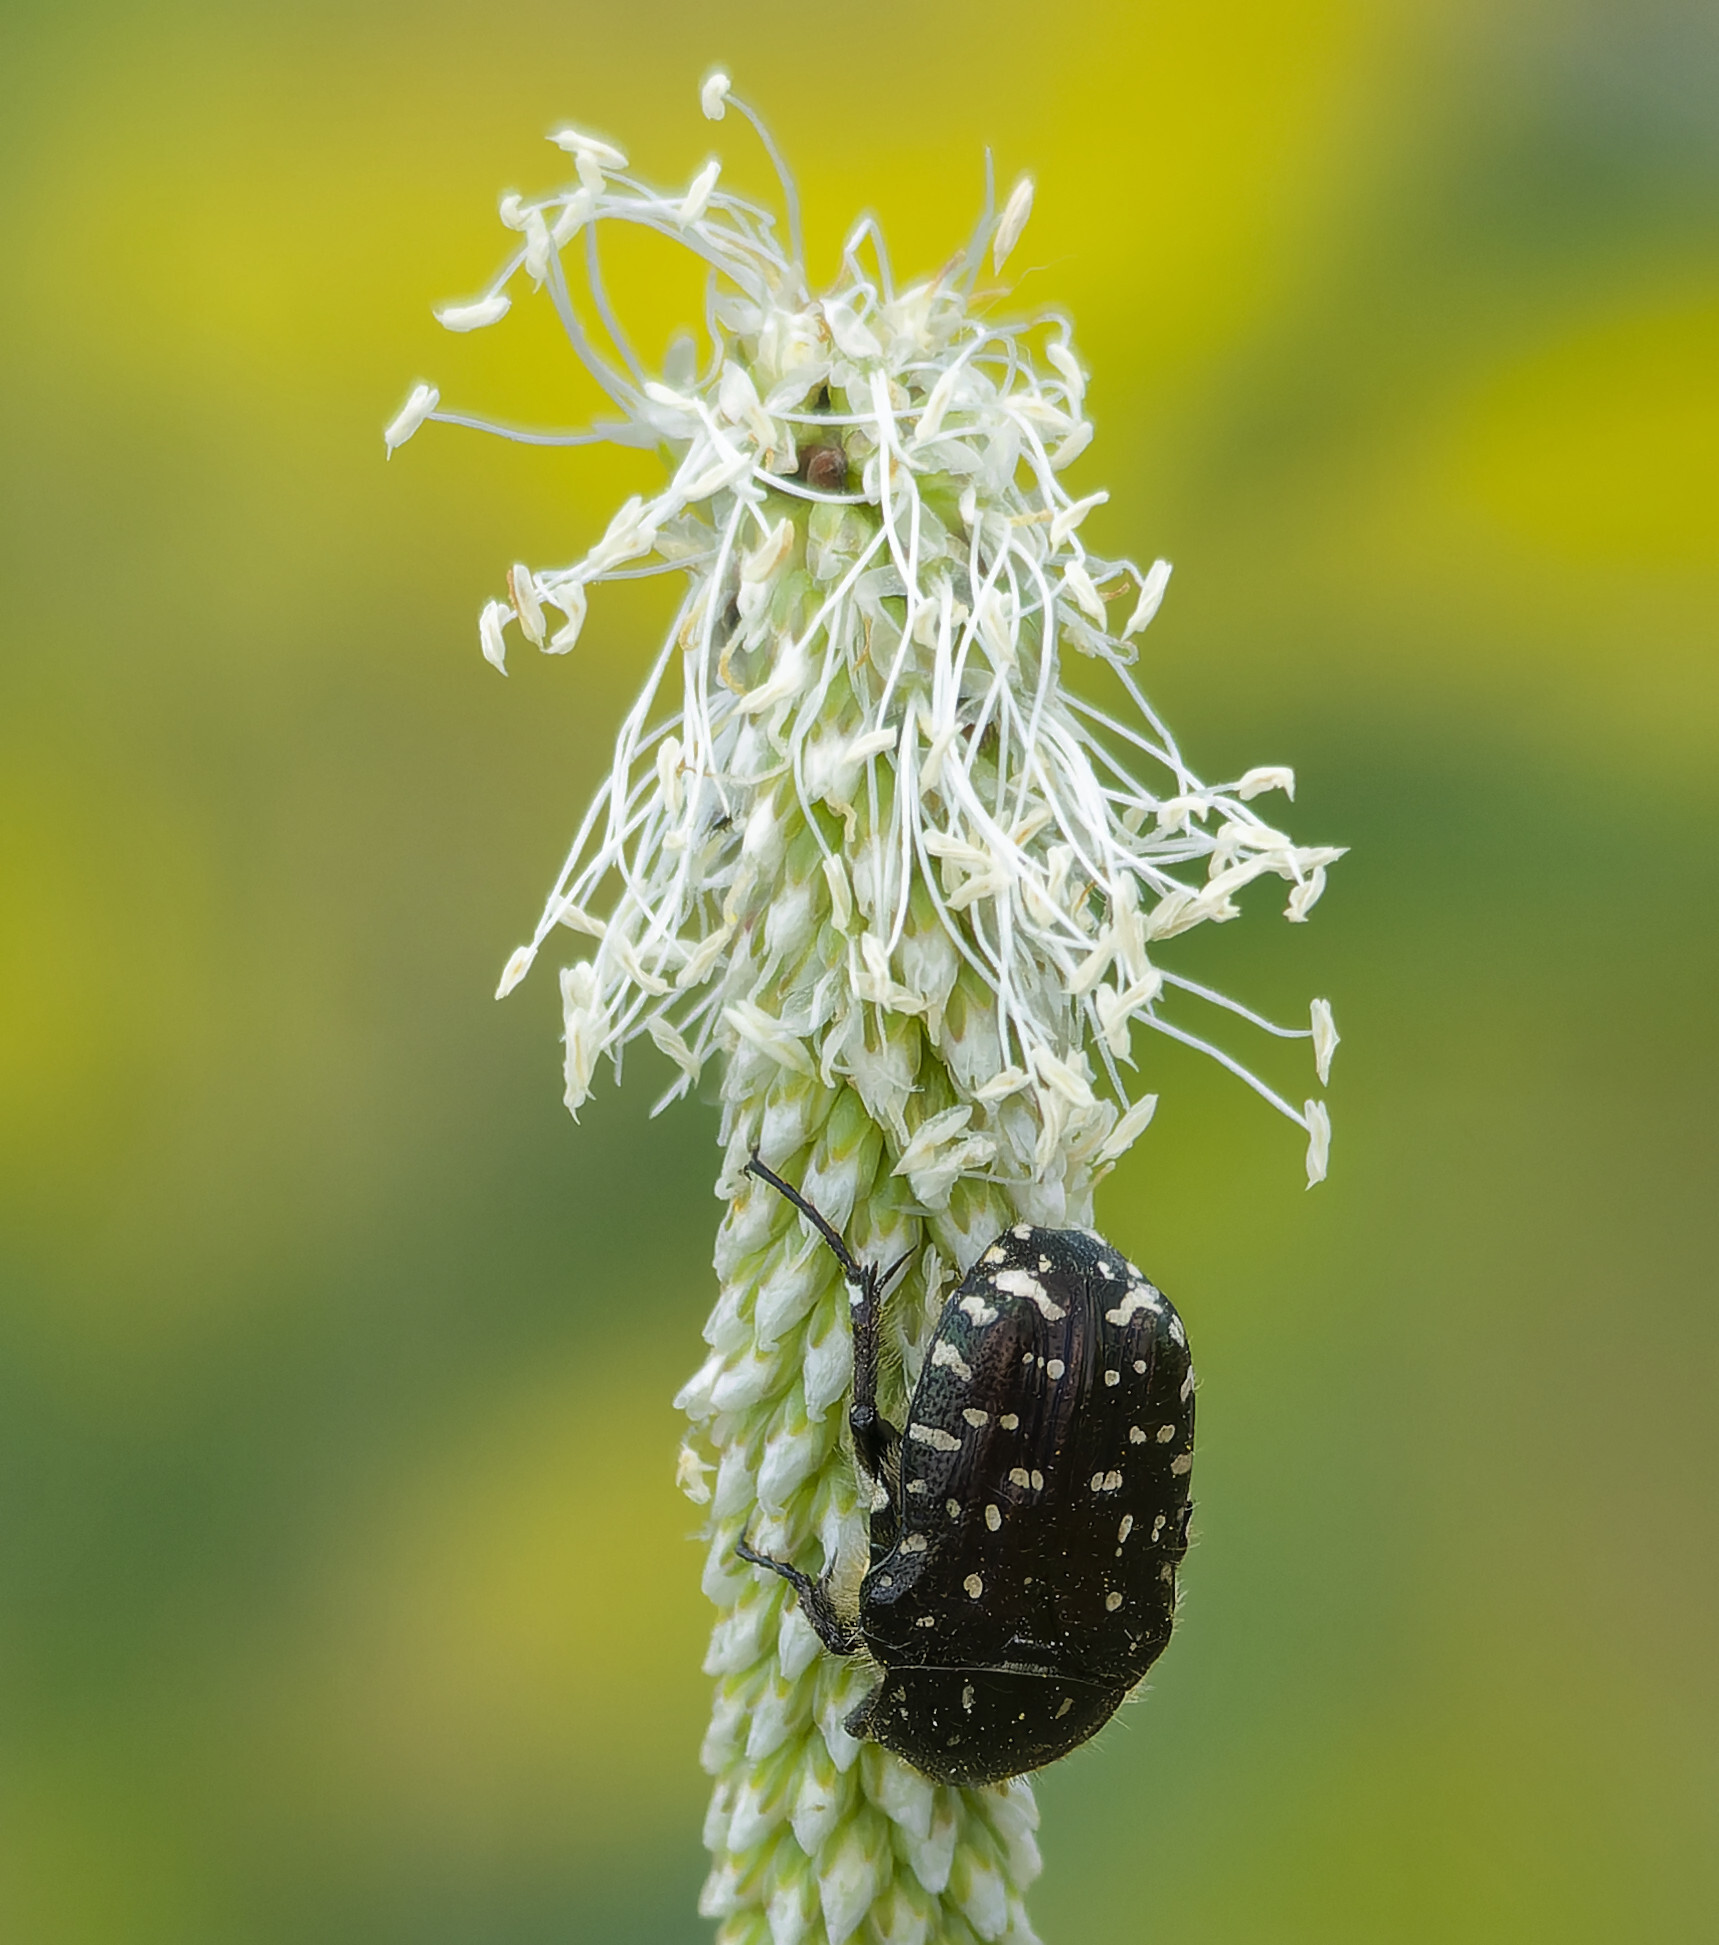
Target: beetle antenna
(851, 1269)
(894, 1271)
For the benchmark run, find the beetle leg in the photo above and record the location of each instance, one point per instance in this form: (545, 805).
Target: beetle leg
(839, 1636)
(876, 1441)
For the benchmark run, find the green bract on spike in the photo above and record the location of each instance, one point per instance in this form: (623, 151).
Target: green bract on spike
(860, 846)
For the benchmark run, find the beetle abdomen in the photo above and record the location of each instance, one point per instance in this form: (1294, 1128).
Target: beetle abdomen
(981, 1725)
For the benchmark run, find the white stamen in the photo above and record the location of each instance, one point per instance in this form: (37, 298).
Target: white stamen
(1305, 896)
(523, 591)
(1129, 1129)
(1269, 776)
(422, 401)
(571, 599)
(1151, 596)
(713, 96)
(697, 198)
(1325, 1040)
(1318, 1141)
(515, 970)
(474, 314)
(1013, 220)
(491, 640)
(539, 247)
(592, 156)
(1072, 515)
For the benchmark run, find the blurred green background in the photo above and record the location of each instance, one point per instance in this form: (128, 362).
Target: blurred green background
(344, 1592)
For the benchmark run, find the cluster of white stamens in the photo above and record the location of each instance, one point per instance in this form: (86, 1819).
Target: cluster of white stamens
(898, 610)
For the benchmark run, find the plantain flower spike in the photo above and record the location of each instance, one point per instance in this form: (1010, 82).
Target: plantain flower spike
(864, 854)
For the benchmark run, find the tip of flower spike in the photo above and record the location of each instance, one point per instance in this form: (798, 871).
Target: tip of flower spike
(1013, 220)
(713, 96)
(423, 401)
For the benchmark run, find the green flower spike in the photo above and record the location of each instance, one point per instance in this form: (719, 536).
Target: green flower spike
(902, 885)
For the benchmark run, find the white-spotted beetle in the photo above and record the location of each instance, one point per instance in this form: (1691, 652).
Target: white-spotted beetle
(1029, 1526)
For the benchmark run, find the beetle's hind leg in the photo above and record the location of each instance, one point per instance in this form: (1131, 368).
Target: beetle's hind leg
(841, 1637)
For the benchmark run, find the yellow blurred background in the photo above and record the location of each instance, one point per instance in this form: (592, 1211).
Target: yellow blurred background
(344, 1591)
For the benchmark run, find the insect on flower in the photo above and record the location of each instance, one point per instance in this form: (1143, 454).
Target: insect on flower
(1025, 1534)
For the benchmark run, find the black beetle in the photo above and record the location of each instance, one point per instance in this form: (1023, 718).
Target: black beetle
(1028, 1528)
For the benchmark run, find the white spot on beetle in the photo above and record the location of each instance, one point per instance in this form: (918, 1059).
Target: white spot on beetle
(995, 1255)
(914, 1543)
(1135, 1271)
(926, 1621)
(1157, 1528)
(1112, 1602)
(1127, 1526)
(1140, 1366)
(979, 1310)
(1055, 1368)
(953, 1508)
(1183, 1462)
(1166, 1433)
(1038, 1482)
(974, 1586)
(1188, 1385)
(1177, 1334)
(1106, 1482)
(1113, 1377)
(1067, 1704)
(967, 1697)
(935, 1437)
(1009, 1421)
(993, 1518)
(1022, 1283)
(917, 1486)
(1024, 1231)
(1136, 1436)
(1044, 1264)
(975, 1417)
(1140, 1297)
(1104, 1270)
(1020, 1477)
(1166, 1573)
(947, 1358)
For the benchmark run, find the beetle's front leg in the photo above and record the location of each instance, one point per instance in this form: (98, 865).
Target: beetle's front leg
(839, 1636)
(876, 1442)
(875, 1439)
